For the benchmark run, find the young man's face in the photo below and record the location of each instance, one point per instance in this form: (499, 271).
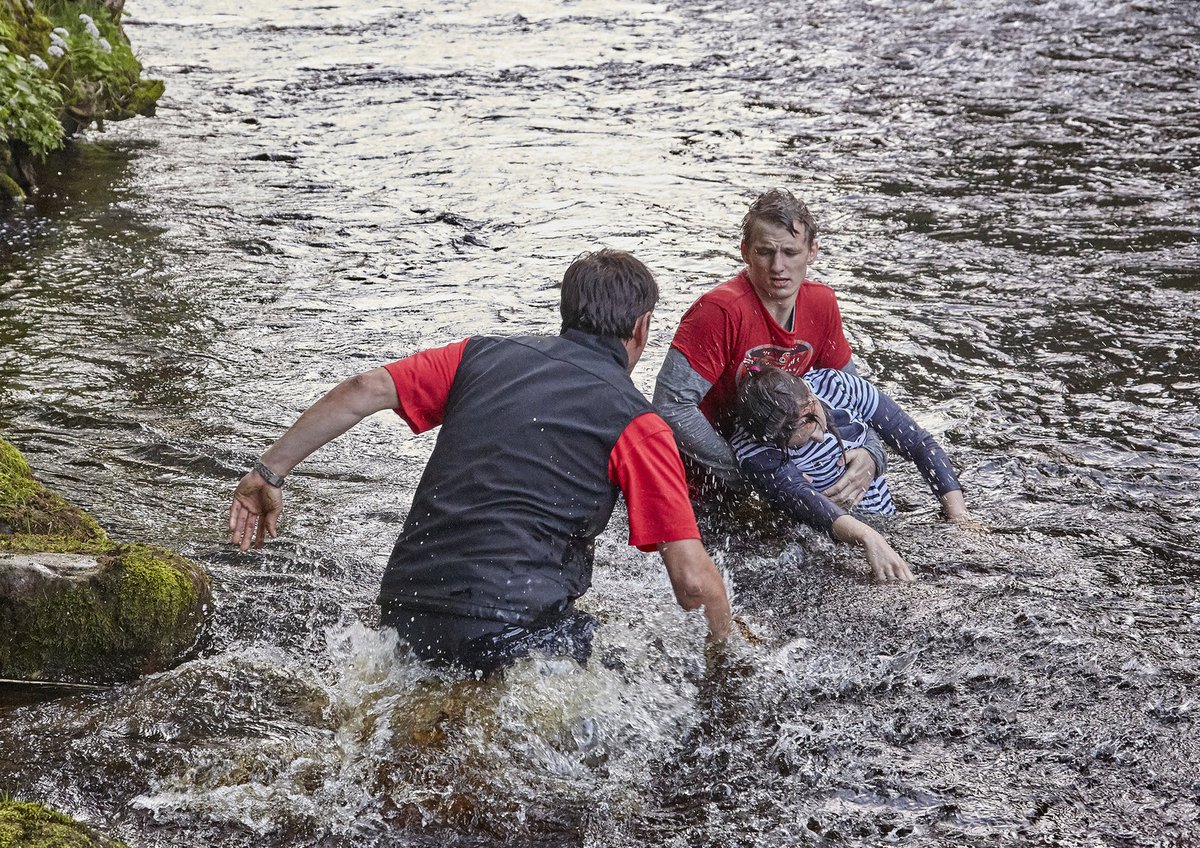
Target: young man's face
(777, 262)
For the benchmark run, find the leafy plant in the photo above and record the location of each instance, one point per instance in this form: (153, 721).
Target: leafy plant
(64, 64)
(31, 104)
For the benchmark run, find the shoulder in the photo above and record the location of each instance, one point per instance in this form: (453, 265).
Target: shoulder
(839, 389)
(814, 291)
(647, 425)
(729, 305)
(727, 295)
(822, 380)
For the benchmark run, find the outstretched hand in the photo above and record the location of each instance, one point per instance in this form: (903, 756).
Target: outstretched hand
(886, 564)
(852, 485)
(255, 511)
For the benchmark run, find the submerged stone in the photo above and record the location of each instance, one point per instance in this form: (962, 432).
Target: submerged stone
(76, 606)
(28, 825)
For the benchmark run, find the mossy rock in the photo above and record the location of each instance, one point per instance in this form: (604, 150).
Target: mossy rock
(11, 193)
(76, 606)
(34, 518)
(27, 825)
(98, 618)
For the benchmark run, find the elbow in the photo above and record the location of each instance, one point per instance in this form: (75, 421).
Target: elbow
(369, 392)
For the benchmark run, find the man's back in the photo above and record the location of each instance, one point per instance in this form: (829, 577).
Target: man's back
(516, 489)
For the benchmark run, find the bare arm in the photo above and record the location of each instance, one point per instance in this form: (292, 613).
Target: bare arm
(677, 395)
(697, 583)
(885, 563)
(256, 507)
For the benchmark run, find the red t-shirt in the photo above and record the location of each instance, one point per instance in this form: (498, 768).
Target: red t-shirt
(644, 463)
(728, 328)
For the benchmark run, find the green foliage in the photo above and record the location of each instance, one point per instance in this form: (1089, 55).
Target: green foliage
(30, 105)
(100, 76)
(64, 65)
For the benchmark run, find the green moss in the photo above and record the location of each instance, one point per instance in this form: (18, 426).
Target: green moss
(143, 100)
(31, 543)
(135, 613)
(30, 513)
(28, 825)
(16, 479)
(158, 593)
(10, 190)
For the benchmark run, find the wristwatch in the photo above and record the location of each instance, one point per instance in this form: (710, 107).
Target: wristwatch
(270, 476)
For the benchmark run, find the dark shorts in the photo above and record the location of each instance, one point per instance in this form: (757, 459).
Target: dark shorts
(479, 645)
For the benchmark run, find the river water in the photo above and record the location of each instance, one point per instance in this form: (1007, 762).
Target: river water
(1008, 197)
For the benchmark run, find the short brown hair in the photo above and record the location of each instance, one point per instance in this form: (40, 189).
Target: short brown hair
(780, 207)
(605, 292)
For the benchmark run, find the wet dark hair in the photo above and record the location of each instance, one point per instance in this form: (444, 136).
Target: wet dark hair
(780, 207)
(769, 401)
(605, 292)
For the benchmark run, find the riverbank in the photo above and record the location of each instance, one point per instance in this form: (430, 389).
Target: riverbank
(64, 66)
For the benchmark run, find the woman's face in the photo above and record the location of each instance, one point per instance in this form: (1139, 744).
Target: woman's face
(812, 423)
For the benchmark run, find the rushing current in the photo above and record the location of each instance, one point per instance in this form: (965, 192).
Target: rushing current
(1009, 200)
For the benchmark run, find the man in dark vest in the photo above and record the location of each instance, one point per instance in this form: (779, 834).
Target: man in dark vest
(538, 435)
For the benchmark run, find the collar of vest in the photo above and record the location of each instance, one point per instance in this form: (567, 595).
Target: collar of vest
(601, 344)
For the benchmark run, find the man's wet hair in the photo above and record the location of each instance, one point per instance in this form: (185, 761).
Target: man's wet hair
(781, 208)
(605, 292)
(769, 401)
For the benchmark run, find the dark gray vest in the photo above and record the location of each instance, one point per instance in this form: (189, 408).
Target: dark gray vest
(517, 488)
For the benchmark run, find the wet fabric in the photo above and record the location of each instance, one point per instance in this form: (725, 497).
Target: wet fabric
(519, 483)
(793, 479)
(482, 646)
(728, 327)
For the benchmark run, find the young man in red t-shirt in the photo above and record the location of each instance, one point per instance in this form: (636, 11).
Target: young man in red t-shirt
(769, 313)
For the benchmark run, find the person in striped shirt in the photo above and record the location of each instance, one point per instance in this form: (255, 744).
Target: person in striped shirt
(793, 432)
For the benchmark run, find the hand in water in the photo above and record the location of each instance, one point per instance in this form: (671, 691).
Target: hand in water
(970, 524)
(886, 564)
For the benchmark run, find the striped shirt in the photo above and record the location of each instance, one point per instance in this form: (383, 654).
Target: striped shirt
(793, 478)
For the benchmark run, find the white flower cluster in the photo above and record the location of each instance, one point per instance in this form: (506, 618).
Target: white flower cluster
(90, 25)
(58, 43)
(94, 32)
(38, 62)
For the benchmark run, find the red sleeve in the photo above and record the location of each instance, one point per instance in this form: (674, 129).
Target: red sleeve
(645, 464)
(704, 338)
(423, 383)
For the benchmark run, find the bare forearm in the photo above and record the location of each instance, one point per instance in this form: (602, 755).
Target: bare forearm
(333, 414)
(697, 583)
(885, 563)
(953, 505)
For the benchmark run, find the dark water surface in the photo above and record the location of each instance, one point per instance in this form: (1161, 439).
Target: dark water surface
(1008, 193)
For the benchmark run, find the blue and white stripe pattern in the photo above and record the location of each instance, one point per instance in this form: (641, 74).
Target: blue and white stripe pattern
(849, 404)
